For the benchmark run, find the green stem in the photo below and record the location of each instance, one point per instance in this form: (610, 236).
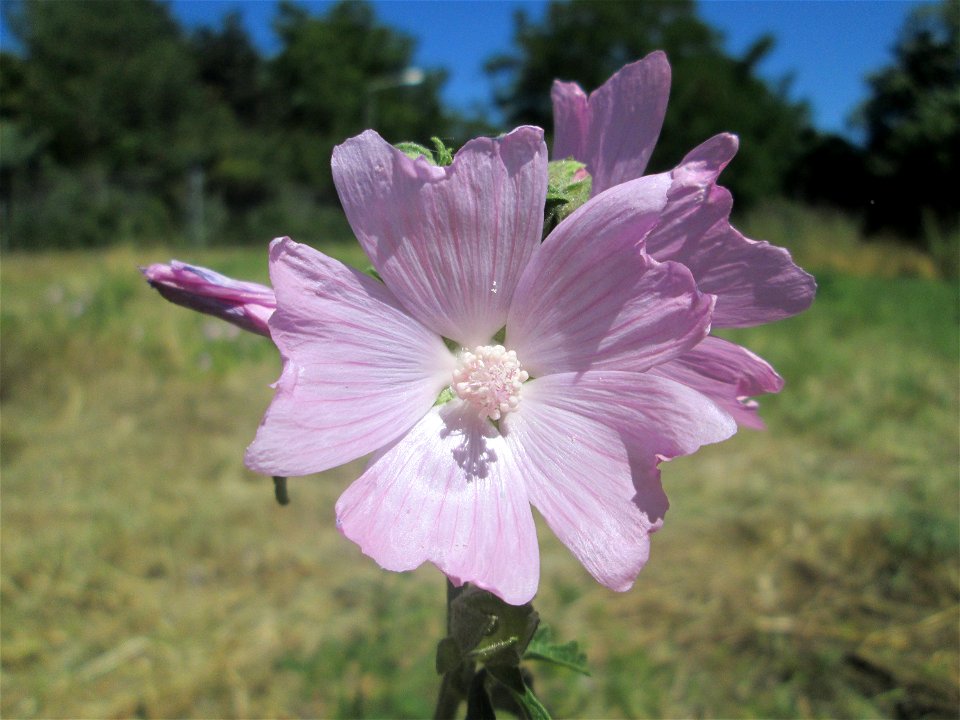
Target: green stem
(453, 687)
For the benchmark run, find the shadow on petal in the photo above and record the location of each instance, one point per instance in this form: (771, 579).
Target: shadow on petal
(472, 452)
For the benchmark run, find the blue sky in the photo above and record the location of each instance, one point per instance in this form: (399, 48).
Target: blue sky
(827, 46)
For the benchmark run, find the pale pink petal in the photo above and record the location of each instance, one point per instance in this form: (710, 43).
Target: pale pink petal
(247, 305)
(728, 374)
(449, 492)
(614, 132)
(578, 476)
(592, 299)
(754, 282)
(449, 242)
(651, 414)
(655, 418)
(358, 371)
(571, 121)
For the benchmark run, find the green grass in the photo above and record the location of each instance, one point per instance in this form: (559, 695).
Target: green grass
(807, 571)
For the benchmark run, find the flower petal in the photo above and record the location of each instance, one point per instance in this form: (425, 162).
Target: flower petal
(592, 299)
(726, 373)
(571, 121)
(754, 282)
(655, 418)
(358, 371)
(450, 493)
(614, 132)
(450, 242)
(652, 415)
(578, 476)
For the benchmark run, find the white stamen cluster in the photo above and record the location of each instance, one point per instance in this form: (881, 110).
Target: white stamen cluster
(489, 378)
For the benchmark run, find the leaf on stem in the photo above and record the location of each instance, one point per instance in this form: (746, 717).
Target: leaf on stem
(568, 655)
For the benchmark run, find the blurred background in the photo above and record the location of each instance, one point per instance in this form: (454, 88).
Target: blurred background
(811, 570)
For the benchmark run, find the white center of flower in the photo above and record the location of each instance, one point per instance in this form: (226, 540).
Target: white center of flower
(489, 378)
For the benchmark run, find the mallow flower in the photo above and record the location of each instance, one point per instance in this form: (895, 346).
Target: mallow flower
(613, 131)
(489, 372)
(246, 304)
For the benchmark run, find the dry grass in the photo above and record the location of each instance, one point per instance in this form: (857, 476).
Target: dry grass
(809, 571)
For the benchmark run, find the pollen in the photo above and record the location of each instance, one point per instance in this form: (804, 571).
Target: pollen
(489, 377)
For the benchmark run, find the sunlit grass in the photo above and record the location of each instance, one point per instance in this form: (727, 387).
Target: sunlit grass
(807, 571)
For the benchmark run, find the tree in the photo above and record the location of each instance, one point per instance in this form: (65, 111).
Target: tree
(229, 64)
(111, 80)
(332, 70)
(110, 91)
(912, 124)
(587, 40)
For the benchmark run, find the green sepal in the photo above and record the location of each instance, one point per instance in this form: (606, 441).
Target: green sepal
(500, 336)
(444, 154)
(414, 150)
(490, 631)
(565, 193)
(372, 272)
(445, 396)
(568, 655)
(448, 656)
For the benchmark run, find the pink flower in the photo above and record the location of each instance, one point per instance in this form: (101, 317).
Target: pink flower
(613, 132)
(553, 394)
(245, 304)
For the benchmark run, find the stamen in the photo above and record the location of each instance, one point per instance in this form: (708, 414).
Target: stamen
(489, 378)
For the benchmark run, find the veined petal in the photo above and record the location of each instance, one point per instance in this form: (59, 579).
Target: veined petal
(726, 373)
(449, 242)
(450, 493)
(571, 121)
(655, 418)
(592, 299)
(358, 371)
(653, 415)
(754, 282)
(614, 131)
(578, 476)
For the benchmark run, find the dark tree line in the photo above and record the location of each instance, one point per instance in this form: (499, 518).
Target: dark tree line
(899, 181)
(118, 124)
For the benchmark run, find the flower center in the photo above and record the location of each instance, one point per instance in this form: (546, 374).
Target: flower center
(489, 377)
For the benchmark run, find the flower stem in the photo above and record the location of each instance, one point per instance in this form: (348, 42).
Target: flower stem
(453, 686)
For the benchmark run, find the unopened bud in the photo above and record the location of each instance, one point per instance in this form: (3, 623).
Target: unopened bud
(247, 305)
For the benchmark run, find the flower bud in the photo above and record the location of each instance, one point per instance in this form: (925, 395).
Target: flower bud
(245, 304)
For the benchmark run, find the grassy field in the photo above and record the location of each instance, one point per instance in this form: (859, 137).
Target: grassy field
(807, 571)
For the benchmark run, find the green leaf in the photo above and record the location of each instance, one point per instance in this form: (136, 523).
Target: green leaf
(533, 708)
(512, 679)
(568, 655)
